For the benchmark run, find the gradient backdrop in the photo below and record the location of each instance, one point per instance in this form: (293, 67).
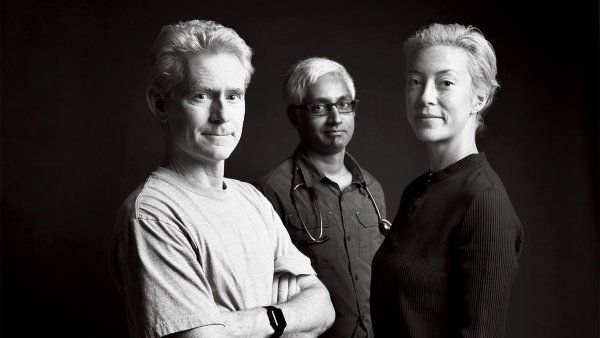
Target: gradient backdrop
(77, 137)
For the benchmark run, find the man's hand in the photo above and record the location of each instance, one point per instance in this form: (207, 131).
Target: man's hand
(285, 286)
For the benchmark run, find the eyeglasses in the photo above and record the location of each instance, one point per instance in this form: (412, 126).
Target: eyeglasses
(323, 108)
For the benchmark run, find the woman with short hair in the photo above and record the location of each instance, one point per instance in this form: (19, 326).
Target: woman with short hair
(448, 263)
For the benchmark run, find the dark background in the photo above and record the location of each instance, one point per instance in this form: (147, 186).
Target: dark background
(77, 138)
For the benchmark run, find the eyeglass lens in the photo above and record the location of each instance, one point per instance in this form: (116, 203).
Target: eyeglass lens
(322, 108)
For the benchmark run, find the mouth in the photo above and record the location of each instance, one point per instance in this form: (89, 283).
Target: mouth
(334, 132)
(217, 134)
(426, 117)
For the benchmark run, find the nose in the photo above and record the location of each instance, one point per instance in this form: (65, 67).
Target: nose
(334, 115)
(429, 94)
(219, 112)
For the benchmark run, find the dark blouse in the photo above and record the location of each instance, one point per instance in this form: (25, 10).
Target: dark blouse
(447, 266)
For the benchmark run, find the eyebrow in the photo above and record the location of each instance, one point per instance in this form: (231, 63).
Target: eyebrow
(326, 99)
(238, 91)
(441, 72)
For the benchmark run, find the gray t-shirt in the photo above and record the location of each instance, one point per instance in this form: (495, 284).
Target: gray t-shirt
(182, 253)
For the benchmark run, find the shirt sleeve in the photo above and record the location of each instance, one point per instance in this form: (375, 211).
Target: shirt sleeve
(287, 257)
(272, 197)
(165, 288)
(489, 242)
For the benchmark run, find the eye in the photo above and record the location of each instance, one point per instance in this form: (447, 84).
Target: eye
(233, 97)
(412, 82)
(343, 104)
(446, 83)
(318, 107)
(202, 97)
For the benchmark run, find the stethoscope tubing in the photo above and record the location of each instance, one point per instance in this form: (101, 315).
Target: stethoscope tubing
(321, 238)
(384, 224)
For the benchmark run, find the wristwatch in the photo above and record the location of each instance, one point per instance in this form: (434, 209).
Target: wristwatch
(276, 319)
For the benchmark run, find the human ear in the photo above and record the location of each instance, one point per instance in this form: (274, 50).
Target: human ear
(479, 100)
(156, 102)
(293, 116)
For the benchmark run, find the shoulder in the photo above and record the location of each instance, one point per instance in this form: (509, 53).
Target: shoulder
(140, 210)
(485, 188)
(279, 178)
(154, 200)
(240, 187)
(373, 185)
(246, 191)
(370, 180)
(491, 211)
(483, 178)
(414, 186)
(133, 204)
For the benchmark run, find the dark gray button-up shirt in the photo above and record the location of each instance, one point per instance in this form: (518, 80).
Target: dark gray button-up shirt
(349, 220)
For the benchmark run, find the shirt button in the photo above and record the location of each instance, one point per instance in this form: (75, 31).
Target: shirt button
(348, 238)
(355, 277)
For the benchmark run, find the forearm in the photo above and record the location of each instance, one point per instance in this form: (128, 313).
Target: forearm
(247, 323)
(310, 312)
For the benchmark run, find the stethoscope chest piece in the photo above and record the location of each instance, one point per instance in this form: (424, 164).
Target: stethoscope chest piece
(384, 226)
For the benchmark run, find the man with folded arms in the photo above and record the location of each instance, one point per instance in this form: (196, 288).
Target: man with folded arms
(195, 254)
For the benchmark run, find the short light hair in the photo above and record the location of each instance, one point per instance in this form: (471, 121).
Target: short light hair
(165, 66)
(481, 55)
(307, 72)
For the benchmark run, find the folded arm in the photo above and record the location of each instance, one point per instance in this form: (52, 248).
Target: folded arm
(307, 313)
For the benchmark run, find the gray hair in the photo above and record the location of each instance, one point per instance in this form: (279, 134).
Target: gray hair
(481, 55)
(307, 72)
(192, 37)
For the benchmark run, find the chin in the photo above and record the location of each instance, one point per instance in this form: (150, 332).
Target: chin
(336, 146)
(428, 135)
(215, 154)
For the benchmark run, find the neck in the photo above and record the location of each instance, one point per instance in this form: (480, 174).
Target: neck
(205, 173)
(329, 164)
(445, 153)
(332, 165)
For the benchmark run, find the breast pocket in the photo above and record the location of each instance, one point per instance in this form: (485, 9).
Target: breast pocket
(321, 254)
(369, 236)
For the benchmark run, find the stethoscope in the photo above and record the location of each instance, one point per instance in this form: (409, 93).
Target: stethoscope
(384, 224)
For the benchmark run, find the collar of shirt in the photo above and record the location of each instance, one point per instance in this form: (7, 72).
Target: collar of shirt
(305, 170)
(456, 167)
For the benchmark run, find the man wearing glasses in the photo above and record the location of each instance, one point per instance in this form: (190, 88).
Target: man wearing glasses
(330, 205)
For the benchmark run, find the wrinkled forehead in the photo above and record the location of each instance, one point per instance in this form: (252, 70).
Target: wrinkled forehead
(212, 69)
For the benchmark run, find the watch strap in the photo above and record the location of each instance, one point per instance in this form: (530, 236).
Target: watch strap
(276, 319)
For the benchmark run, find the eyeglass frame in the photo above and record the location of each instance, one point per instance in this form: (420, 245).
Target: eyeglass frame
(328, 105)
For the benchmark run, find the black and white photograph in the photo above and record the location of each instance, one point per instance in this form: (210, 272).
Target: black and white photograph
(407, 169)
